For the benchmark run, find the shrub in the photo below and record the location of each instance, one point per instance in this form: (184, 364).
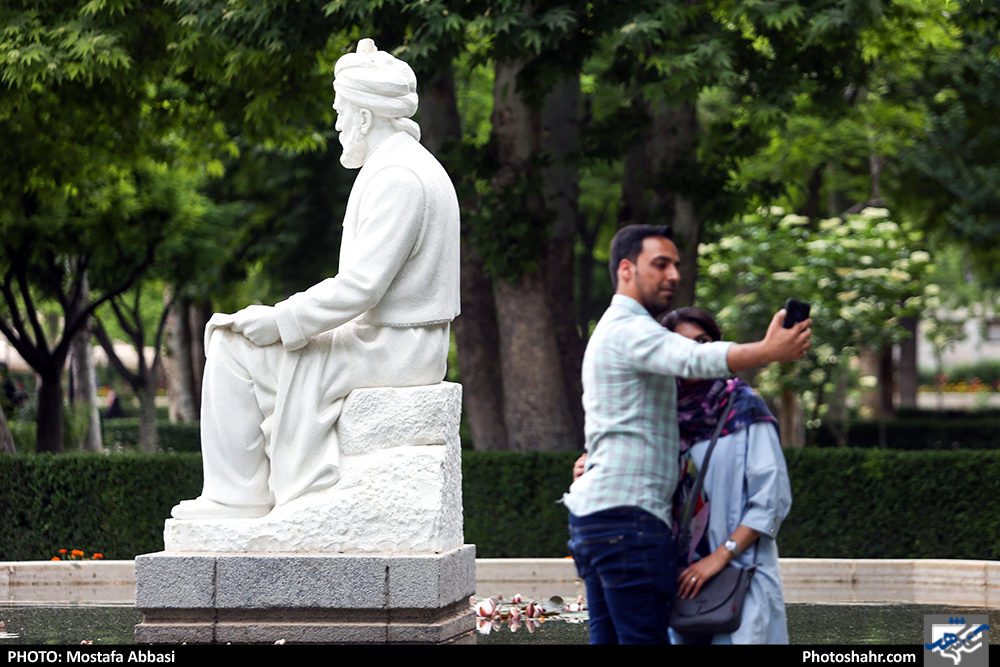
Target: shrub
(114, 504)
(847, 503)
(173, 437)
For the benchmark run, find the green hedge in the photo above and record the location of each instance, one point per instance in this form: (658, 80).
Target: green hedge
(173, 437)
(962, 430)
(913, 429)
(510, 502)
(114, 504)
(847, 503)
(877, 503)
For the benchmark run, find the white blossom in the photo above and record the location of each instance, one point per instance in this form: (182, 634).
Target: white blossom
(872, 213)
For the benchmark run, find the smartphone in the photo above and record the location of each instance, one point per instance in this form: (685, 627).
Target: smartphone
(795, 312)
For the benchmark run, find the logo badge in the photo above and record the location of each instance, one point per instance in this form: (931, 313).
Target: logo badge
(956, 640)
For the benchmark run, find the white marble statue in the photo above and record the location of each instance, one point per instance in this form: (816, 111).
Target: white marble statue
(276, 377)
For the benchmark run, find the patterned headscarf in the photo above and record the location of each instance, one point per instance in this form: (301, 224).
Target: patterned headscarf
(701, 404)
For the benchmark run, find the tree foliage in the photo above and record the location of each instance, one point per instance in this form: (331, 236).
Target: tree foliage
(954, 166)
(862, 275)
(93, 179)
(194, 137)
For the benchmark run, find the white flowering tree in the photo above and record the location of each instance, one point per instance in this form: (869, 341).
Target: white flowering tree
(861, 274)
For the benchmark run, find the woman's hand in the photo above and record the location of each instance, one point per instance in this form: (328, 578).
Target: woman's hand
(697, 574)
(694, 576)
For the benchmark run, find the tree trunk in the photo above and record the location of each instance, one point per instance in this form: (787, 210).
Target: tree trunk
(148, 438)
(476, 334)
(49, 435)
(812, 208)
(144, 384)
(672, 144)
(838, 416)
(201, 313)
(636, 177)
(143, 380)
(790, 420)
(537, 412)
(886, 383)
(84, 378)
(908, 364)
(560, 138)
(870, 400)
(478, 341)
(6, 439)
(178, 362)
(653, 170)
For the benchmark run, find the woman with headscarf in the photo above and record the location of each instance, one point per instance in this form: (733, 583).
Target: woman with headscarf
(746, 493)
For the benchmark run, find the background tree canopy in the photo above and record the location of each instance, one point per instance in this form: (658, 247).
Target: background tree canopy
(188, 145)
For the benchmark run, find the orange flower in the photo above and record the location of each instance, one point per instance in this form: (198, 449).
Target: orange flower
(77, 552)
(97, 555)
(63, 551)
(56, 558)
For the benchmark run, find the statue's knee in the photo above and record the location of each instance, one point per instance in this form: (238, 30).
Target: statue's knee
(229, 350)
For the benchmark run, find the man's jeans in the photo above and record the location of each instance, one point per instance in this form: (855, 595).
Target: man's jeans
(627, 559)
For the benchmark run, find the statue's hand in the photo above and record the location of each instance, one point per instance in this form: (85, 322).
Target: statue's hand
(258, 323)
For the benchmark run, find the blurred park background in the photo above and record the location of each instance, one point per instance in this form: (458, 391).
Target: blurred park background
(170, 158)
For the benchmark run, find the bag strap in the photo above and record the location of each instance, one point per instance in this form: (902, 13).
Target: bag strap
(700, 481)
(696, 492)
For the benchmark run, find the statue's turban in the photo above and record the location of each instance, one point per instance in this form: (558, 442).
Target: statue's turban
(376, 80)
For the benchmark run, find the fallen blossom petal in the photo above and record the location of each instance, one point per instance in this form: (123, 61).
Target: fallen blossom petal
(486, 608)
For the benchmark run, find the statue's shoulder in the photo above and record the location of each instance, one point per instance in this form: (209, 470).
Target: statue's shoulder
(404, 154)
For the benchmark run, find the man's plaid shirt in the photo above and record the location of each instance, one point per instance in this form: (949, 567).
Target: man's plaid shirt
(630, 398)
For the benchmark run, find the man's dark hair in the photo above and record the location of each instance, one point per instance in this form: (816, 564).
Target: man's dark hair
(696, 316)
(627, 244)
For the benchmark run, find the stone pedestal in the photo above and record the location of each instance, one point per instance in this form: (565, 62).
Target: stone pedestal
(379, 557)
(329, 599)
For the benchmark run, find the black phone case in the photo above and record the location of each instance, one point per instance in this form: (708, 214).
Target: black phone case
(795, 312)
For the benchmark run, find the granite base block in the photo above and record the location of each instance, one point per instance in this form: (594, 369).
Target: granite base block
(305, 598)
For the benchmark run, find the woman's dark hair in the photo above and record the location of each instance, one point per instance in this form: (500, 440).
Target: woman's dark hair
(696, 316)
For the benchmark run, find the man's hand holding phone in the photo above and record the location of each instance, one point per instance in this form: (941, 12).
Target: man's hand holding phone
(781, 343)
(788, 335)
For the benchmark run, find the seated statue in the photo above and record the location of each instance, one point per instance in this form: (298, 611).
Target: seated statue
(276, 377)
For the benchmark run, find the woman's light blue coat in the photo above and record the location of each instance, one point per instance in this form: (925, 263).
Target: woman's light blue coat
(747, 484)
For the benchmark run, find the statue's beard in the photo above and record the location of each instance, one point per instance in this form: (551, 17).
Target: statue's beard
(355, 145)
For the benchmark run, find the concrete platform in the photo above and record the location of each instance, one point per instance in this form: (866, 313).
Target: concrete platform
(314, 598)
(973, 583)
